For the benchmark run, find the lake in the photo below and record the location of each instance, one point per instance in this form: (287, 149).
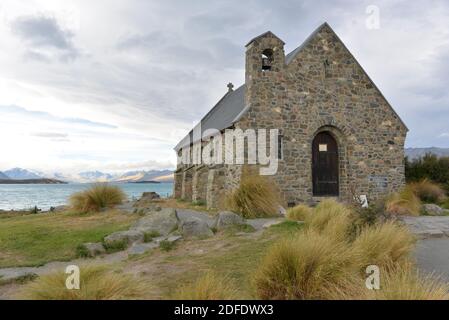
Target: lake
(44, 196)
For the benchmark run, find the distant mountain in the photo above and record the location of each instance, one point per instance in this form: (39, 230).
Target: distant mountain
(21, 174)
(413, 153)
(96, 176)
(152, 175)
(3, 176)
(90, 176)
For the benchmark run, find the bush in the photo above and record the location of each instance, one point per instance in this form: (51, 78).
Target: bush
(404, 202)
(166, 245)
(428, 167)
(149, 236)
(254, 198)
(82, 252)
(208, 287)
(96, 283)
(307, 266)
(97, 197)
(331, 218)
(115, 246)
(383, 244)
(298, 213)
(406, 283)
(428, 191)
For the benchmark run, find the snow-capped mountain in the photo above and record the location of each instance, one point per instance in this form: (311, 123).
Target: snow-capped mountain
(91, 176)
(21, 174)
(3, 176)
(95, 176)
(414, 153)
(152, 175)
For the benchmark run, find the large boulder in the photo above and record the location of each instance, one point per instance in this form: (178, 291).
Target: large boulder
(226, 219)
(162, 222)
(93, 249)
(195, 228)
(434, 210)
(130, 236)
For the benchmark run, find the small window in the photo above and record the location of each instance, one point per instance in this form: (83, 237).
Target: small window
(280, 148)
(267, 59)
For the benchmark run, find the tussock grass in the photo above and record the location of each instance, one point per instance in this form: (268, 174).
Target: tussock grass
(383, 244)
(404, 202)
(97, 197)
(299, 212)
(307, 266)
(256, 197)
(96, 283)
(427, 191)
(208, 287)
(406, 283)
(332, 218)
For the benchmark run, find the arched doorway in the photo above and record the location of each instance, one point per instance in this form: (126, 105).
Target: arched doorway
(325, 165)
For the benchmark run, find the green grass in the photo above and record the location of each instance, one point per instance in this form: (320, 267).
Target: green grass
(149, 236)
(166, 245)
(32, 240)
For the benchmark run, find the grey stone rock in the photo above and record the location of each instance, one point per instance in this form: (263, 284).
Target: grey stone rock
(195, 228)
(16, 274)
(94, 248)
(150, 196)
(174, 238)
(130, 236)
(226, 219)
(164, 222)
(282, 211)
(433, 209)
(141, 248)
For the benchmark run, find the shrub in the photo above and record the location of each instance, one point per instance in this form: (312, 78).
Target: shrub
(166, 245)
(307, 266)
(82, 252)
(428, 191)
(331, 218)
(383, 244)
(428, 167)
(254, 198)
(96, 283)
(404, 202)
(115, 246)
(149, 236)
(406, 283)
(299, 213)
(208, 287)
(97, 197)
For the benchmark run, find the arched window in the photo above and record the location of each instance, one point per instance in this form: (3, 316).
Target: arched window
(267, 59)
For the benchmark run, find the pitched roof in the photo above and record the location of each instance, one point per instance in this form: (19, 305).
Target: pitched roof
(231, 107)
(263, 35)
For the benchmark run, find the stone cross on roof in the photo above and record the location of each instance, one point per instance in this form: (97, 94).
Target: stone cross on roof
(230, 87)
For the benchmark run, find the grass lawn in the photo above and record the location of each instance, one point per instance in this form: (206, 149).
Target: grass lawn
(236, 257)
(35, 239)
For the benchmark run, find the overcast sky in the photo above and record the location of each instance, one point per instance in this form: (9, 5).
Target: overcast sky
(114, 84)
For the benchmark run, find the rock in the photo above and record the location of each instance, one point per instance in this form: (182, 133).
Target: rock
(195, 228)
(125, 207)
(282, 211)
(150, 196)
(434, 210)
(163, 222)
(226, 219)
(130, 236)
(141, 248)
(94, 248)
(272, 223)
(174, 238)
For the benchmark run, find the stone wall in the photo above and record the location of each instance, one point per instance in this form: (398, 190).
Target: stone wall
(322, 88)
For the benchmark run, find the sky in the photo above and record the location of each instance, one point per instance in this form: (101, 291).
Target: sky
(113, 85)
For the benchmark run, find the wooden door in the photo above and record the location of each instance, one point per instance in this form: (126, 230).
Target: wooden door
(325, 165)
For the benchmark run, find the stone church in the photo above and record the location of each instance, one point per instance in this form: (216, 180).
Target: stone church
(338, 135)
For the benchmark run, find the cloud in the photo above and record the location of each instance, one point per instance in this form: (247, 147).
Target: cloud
(49, 135)
(47, 116)
(45, 38)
